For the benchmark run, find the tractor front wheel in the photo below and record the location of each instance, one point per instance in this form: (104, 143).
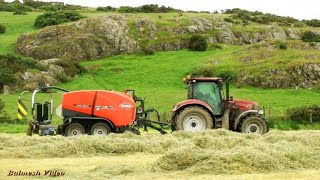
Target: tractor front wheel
(74, 129)
(193, 119)
(254, 124)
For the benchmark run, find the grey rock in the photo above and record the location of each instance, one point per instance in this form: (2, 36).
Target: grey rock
(277, 33)
(146, 26)
(85, 39)
(226, 37)
(49, 61)
(54, 69)
(293, 33)
(202, 23)
(6, 90)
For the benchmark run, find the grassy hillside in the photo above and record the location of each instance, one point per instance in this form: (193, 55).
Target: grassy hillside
(158, 77)
(16, 25)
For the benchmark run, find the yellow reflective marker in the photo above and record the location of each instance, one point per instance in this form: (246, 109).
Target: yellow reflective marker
(22, 110)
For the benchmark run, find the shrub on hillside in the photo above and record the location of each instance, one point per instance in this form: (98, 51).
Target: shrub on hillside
(50, 8)
(283, 46)
(106, 9)
(309, 36)
(19, 12)
(147, 50)
(128, 9)
(299, 24)
(304, 113)
(312, 22)
(7, 77)
(3, 29)
(14, 6)
(259, 17)
(17, 63)
(54, 18)
(198, 43)
(3, 113)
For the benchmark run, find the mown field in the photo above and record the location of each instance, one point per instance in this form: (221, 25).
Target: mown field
(212, 154)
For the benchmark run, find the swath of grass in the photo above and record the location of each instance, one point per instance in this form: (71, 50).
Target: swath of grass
(213, 151)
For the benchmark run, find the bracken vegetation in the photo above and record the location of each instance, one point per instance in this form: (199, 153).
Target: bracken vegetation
(55, 18)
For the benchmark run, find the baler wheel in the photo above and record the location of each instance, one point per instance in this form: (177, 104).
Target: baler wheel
(100, 129)
(74, 129)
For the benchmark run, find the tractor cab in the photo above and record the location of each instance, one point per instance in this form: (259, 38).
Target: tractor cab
(208, 90)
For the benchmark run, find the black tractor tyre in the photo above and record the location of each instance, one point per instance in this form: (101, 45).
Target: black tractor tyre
(193, 118)
(100, 128)
(253, 124)
(74, 129)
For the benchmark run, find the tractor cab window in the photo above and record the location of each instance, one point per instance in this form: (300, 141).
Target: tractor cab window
(210, 93)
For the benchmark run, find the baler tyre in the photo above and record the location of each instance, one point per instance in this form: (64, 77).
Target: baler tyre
(193, 119)
(254, 124)
(100, 129)
(74, 129)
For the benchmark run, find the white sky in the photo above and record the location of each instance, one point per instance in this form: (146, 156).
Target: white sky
(306, 9)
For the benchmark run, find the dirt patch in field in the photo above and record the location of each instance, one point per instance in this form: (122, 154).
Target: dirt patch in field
(214, 151)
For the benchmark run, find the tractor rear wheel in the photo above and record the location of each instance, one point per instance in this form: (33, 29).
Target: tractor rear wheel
(193, 119)
(100, 129)
(74, 129)
(254, 124)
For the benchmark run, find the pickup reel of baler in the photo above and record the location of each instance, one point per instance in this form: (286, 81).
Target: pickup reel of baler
(42, 112)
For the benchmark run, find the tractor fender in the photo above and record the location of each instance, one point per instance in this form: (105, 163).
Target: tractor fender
(189, 102)
(242, 115)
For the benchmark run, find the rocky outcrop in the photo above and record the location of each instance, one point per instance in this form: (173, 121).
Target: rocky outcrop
(169, 46)
(6, 90)
(293, 33)
(86, 39)
(226, 37)
(276, 33)
(146, 27)
(31, 77)
(300, 76)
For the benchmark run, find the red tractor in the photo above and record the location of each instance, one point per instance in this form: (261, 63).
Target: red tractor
(206, 108)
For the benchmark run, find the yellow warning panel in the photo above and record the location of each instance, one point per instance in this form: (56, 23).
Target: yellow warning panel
(22, 110)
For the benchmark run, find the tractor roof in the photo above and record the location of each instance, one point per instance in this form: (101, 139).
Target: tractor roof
(206, 79)
(201, 79)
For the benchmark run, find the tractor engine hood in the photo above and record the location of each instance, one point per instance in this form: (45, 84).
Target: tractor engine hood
(245, 105)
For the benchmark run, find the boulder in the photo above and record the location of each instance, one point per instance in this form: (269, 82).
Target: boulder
(293, 33)
(226, 37)
(6, 90)
(277, 33)
(146, 27)
(49, 61)
(85, 39)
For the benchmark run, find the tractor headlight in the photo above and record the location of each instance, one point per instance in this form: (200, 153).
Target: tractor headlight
(260, 112)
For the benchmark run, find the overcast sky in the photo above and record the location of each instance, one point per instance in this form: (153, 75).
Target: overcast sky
(306, 9)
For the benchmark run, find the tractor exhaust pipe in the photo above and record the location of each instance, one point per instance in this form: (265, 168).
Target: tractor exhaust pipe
(225, 117)
(227, 92)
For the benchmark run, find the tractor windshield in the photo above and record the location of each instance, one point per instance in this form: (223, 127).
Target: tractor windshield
(208, 92)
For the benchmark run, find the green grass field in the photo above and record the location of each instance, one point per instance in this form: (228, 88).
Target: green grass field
(158, 77)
